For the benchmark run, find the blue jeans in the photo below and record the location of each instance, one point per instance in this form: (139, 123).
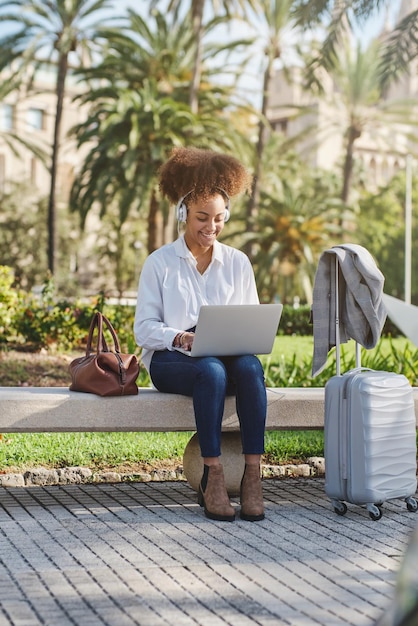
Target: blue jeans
(208, 380)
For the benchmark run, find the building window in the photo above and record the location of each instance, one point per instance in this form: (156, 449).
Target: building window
(281, 125)
(36, 119)
(6, 117)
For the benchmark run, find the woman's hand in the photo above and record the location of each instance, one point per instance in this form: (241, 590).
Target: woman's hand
(186, 340)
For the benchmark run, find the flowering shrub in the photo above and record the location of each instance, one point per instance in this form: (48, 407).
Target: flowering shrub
(41, 322)
(51, 327)
(9, 302)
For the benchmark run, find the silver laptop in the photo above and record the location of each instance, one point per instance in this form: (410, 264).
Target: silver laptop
(233, 329)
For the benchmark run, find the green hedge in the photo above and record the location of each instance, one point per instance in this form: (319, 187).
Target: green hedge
(298, 322)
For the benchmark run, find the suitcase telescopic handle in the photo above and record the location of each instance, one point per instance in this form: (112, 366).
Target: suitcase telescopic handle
(337, 325)
(337, 318)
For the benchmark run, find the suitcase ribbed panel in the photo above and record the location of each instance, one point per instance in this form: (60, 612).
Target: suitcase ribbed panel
(381, 438)
(335, 439)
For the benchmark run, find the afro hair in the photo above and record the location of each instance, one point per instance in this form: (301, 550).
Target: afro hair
(202, 172)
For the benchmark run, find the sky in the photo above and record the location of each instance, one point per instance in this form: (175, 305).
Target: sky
(251, 83)
(374, 26)
(367, 31)
(371, 28)
(253, 77)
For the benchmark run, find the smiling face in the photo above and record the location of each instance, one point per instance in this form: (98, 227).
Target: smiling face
(205, 220)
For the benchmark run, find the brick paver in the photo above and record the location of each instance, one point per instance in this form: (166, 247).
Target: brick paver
(144, 554)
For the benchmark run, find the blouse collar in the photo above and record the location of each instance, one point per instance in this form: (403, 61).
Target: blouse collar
(183, 251)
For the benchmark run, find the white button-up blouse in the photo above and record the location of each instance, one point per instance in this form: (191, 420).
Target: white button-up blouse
(171, 291)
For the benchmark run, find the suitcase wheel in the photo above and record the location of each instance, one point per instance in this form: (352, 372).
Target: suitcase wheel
(375, 512)
(411, 504)
(340, 508)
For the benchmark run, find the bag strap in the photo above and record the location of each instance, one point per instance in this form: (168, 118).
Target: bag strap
(112, 332)
(94, 322)
(122, 369)
(97, 321)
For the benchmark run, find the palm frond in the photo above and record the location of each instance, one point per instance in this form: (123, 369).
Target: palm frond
(399, 50)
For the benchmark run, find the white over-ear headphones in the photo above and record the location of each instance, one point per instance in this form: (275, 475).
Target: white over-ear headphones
(181, 208)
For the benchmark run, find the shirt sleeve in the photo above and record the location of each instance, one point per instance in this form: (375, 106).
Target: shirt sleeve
(250, 287)
(149, 328)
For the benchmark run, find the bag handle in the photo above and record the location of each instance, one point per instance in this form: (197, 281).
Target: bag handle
(102, 346)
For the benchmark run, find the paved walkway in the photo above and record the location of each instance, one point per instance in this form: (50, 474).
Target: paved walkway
(143, 553)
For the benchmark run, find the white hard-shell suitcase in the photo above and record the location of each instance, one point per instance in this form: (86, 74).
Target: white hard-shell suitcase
(369, 438)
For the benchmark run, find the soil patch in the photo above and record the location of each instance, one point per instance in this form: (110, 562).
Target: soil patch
(27, 369)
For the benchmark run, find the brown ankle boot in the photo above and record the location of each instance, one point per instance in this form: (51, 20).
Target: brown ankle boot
(252, 506)
(213, 495)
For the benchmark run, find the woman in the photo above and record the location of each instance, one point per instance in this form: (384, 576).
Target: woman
(176, 280)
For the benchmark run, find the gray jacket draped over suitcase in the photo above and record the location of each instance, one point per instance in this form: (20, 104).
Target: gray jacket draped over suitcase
(362, 312)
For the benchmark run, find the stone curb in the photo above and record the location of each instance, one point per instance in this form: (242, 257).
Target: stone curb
(40, 476)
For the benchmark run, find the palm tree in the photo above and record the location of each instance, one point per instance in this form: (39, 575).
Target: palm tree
(55, 31)
(197, 9)
(298, 216)
(140, 112)
(357, 103)
(132, 135)
(275, 20)
(400, 46)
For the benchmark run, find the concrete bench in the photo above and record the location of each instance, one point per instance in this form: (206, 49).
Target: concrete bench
(56, 409)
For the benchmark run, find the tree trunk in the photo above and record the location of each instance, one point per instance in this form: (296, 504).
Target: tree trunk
(197, 21)
(353, 134)
(155, 225)
(255, 196)
(60, 91)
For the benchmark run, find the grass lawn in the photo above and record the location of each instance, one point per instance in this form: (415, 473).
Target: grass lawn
(286, 346)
